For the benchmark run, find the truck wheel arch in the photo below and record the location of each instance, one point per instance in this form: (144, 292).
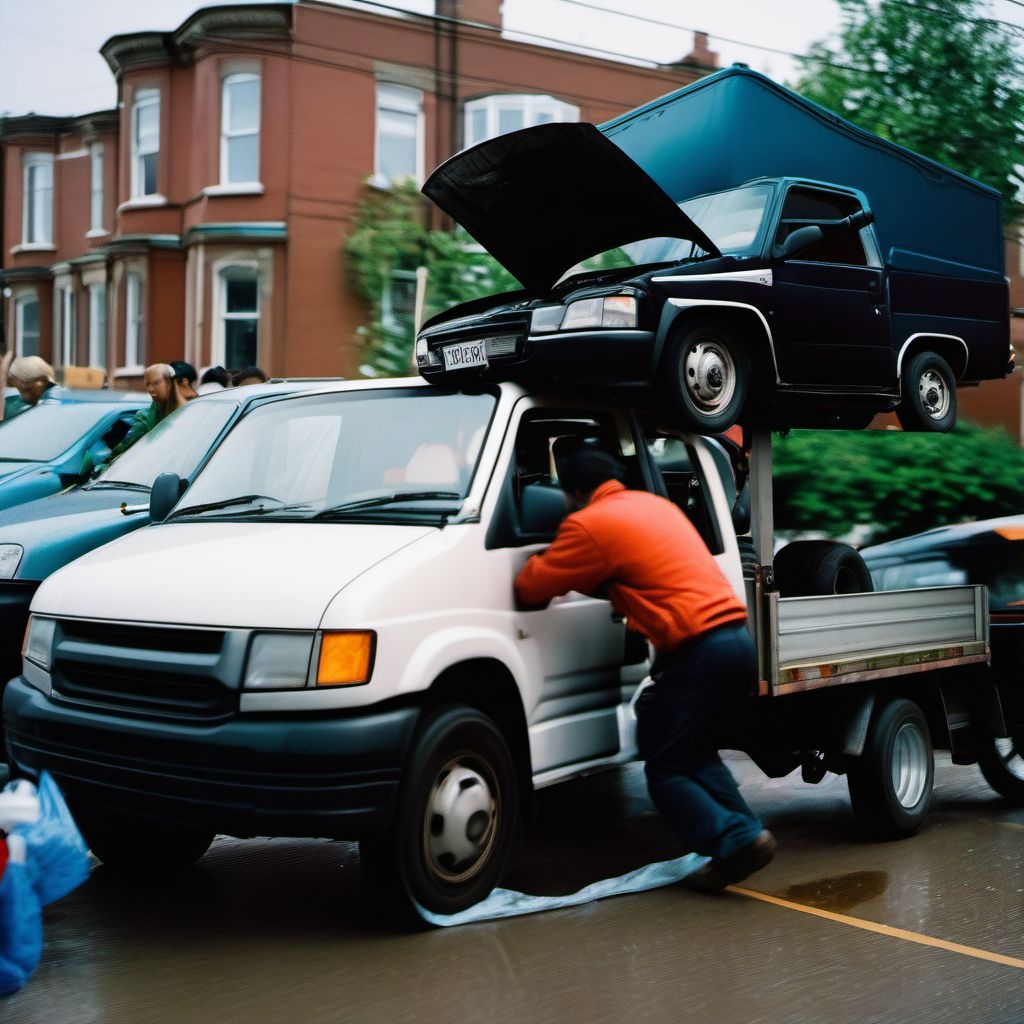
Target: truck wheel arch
(951, 347)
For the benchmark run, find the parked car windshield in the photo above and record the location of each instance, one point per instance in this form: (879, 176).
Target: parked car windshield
(46, 431)
(998, 565)
(390, 453)
(175, 445)
(732, 220)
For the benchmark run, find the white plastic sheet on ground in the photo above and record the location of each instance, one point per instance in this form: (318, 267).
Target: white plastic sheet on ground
(507, 903)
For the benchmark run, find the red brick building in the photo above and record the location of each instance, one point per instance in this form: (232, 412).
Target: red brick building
(205, 218)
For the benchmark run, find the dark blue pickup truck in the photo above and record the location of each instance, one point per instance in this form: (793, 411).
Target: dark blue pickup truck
(728, 233)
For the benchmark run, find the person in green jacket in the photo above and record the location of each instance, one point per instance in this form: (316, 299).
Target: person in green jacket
(32, 377)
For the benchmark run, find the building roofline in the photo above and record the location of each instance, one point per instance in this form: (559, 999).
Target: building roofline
(27, 127)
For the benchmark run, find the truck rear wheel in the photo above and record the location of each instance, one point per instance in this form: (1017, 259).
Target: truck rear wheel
(708, 378)
(928, 401)
(809, 568)
(140, 847)
(1001, 761)
(891, 782)
(456, 818)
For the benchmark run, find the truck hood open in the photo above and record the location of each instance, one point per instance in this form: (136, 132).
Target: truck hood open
(255, 575)
(545, 198)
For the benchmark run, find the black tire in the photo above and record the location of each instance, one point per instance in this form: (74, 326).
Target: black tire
(891, 782)
(139, 847)
(1002, 763)
(928, 400)
(708, 377)
(456, 819)
(809, 568)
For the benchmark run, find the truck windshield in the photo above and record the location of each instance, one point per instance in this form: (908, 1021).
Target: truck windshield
(392, 454)
(732, 220)
(49, 430)
(175, 445)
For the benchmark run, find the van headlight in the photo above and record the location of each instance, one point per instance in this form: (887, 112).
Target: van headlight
(278, 661)
(39, 641)
(605, 311)
(10, 559)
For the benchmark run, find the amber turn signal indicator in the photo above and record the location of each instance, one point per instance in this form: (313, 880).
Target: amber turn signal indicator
(346, 658)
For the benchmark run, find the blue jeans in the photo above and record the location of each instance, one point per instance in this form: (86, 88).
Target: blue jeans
(678, 720)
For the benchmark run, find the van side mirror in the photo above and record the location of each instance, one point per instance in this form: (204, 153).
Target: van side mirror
(163, 496)
(541, 509)
(802, 238)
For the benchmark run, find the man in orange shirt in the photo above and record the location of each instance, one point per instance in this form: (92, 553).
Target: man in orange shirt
(648, 558)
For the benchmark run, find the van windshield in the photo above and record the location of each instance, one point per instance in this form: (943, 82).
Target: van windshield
(396, 454)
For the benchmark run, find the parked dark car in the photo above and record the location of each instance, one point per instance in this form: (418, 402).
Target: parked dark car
(989, 552)
(39, 537)
(42, 450)
(699, 245)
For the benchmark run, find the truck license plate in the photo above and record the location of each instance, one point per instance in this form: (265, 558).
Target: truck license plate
(465, 354)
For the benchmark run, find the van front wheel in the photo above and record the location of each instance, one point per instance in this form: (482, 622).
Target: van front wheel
(708, 378)
(456, 818)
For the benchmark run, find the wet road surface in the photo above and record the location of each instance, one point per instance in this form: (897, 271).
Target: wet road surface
(284, 930)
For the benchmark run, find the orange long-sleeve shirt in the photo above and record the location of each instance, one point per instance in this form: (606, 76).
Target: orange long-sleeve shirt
(657, 569)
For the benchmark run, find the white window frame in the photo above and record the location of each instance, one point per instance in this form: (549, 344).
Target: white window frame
(398, 99)
(531, 105)
(226, 135)
(134, 321)
(221, 273)
(19, 322)
(32, 234)
(388, 316)
(98, 324)
(142, 99)
(67, 306)
(96, 190)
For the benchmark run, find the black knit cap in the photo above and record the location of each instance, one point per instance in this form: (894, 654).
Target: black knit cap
(585, 468)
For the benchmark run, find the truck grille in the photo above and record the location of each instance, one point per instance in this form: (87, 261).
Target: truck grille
(148, 670)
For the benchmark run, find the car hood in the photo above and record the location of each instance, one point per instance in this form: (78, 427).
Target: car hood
(13, 470)
(255, 575)
(545, 198)
(68, 503)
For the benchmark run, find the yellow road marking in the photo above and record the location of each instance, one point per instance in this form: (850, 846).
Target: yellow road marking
(883, 929)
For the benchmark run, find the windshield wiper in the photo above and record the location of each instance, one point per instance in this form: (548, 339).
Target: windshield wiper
(212, 506)
(379, 500)
(120, 485)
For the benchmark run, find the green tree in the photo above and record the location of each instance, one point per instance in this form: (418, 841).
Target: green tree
(390, 232)
(940, 77)
(897, 483)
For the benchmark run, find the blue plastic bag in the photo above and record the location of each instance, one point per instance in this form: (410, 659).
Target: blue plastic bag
(56, 855)
(21, 925)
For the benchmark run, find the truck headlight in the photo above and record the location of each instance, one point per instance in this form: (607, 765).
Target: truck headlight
(607, 311)
(278, 661)
(346, 657)
(10, 559)
(39, 641)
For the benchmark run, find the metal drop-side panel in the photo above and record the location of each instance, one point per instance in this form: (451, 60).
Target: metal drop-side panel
(845, 638)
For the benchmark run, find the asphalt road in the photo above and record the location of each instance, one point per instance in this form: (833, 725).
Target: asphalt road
(284, 930)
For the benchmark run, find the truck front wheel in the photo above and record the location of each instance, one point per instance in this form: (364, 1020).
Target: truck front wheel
(928, 399)
(456, 818)
(139, 847)
(891, 782)
(1001, 761)
(708, 378)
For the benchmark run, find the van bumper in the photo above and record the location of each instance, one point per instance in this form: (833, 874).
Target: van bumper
(335, 777)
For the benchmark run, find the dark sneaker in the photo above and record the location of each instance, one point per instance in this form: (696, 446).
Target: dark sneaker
(748, 859)
(709, 878)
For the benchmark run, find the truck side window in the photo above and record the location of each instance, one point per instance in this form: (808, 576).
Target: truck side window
(686, 487)
(812, 206)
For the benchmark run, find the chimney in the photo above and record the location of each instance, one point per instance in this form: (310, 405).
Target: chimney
(700, 56)
(485, 12)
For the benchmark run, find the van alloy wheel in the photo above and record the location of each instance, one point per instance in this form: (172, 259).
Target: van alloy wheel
(928, 399)
(707, 374)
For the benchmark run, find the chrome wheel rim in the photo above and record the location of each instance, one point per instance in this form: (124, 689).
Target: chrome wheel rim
(909, 765)
(934, 392)
(709, 376)
(1009, 755)
(460, 823)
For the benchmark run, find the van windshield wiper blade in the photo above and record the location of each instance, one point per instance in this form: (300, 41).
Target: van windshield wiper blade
(379, 500)
(119, 485)
(212, 506)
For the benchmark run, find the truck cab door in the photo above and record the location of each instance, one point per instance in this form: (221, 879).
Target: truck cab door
(831, 314)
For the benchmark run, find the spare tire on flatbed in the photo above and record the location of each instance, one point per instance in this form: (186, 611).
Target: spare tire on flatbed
(810, 568)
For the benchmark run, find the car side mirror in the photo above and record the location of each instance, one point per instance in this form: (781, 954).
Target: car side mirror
(163, 496)
(541, 509)
(802, 238)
